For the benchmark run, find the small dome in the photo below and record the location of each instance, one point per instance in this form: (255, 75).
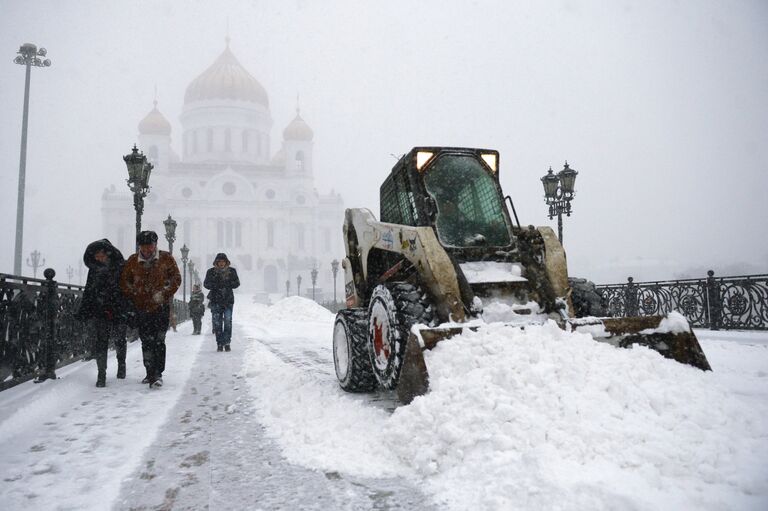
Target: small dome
(226, 79)
(279, 157)
(155, 123)
(298, 130)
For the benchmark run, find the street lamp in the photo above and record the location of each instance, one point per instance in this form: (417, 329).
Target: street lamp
(558, 194)
(170, 232)
(29, 55)
(35, 263)
(298, 285)
(335, 271)
(287, 288)
(313, 274)
(184, 259)
(138, 182)
(70, 273)
(191, 265)
(184, 254)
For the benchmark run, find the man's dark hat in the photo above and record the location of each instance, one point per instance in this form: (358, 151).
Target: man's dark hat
(221, 256)
(146, 238)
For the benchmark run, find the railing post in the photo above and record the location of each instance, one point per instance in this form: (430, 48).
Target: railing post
(47, 362)
(714, 305)
(630, 298)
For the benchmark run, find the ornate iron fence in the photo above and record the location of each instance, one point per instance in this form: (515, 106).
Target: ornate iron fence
(730, 303)
(38, 330)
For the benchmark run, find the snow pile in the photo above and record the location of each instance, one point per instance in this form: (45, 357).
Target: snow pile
(543, 418)
(673, 323)
(292, 308)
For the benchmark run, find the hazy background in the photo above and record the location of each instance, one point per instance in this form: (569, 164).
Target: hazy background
(661, 106)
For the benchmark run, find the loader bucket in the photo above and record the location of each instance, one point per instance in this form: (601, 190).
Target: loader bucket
(678, 345)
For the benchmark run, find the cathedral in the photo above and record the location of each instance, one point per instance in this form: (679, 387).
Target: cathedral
(228, 191)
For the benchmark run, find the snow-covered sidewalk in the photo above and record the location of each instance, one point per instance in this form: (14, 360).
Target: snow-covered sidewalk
(529, 420)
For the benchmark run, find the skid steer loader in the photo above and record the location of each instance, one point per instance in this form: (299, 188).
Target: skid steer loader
(444, 250)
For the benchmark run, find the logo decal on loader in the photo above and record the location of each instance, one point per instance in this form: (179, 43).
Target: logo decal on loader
(388, 239)
(379, 346)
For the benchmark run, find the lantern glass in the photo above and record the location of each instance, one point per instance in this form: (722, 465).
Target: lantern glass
(568, 179)
(550, 182)
(184, 252)
(170, 227)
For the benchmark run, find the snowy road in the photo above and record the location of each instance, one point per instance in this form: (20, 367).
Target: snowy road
(533, 420)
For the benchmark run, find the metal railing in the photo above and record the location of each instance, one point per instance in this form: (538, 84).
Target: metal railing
(729, 303)
(38, 330)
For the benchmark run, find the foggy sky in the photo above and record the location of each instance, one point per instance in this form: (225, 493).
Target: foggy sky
(661, 106)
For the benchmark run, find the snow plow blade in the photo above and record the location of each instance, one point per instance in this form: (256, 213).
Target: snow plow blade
(683, 347)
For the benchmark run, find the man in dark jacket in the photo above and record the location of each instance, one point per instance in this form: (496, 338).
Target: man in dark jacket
(196, 309)
(104, 305)
(150, 279)
(221, 280)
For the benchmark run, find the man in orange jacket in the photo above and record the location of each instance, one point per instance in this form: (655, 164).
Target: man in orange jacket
(150, 278)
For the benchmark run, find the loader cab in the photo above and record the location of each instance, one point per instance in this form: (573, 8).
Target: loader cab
(454, 190)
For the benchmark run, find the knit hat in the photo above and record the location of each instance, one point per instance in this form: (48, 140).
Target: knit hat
(221, 256)
(146, 237)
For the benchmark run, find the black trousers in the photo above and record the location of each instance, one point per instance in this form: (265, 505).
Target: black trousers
(103, 331)
(152, 328)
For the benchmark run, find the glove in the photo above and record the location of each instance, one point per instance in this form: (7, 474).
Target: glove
(158, 297)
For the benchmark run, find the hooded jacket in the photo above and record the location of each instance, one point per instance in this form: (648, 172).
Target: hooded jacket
(102, 297)
(221, 282)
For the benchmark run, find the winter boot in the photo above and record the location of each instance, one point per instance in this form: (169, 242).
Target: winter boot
(227, 348)
(121, 370)
(219, 347)
(46, 375)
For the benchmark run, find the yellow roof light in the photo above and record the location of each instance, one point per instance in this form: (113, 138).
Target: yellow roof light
(490, 160)
(422, 157)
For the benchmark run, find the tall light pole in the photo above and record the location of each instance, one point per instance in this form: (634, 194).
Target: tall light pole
(287, 288)
(138, 182)
(28, 56)
(170, 232)
(313, 274)
(298, 285)
(335, 271)
(184, 259)
(558, 194)
(35, 261)
(192, 281)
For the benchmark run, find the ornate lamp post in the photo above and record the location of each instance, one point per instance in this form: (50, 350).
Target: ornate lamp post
(287, 288)
(184, 259)
(298, 285)
(70, 273)
(29, 55)
(313, 274)
(170, 232)
(335, 271)
(35, 261)
(558, 194)
(138, 182)
(191, 265)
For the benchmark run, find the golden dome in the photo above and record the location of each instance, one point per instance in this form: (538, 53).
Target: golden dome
(226, 79)
(154, 123)
(298, 129)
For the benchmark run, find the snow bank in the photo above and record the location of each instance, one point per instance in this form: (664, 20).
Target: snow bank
(542, 418)
(527, 419)
(292, 308)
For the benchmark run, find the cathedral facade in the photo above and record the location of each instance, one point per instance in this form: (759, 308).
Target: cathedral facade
(229, 192)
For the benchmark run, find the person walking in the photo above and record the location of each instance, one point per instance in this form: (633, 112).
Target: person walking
(221, 280)
(196, 308)
(150, 279)
(104, 305)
